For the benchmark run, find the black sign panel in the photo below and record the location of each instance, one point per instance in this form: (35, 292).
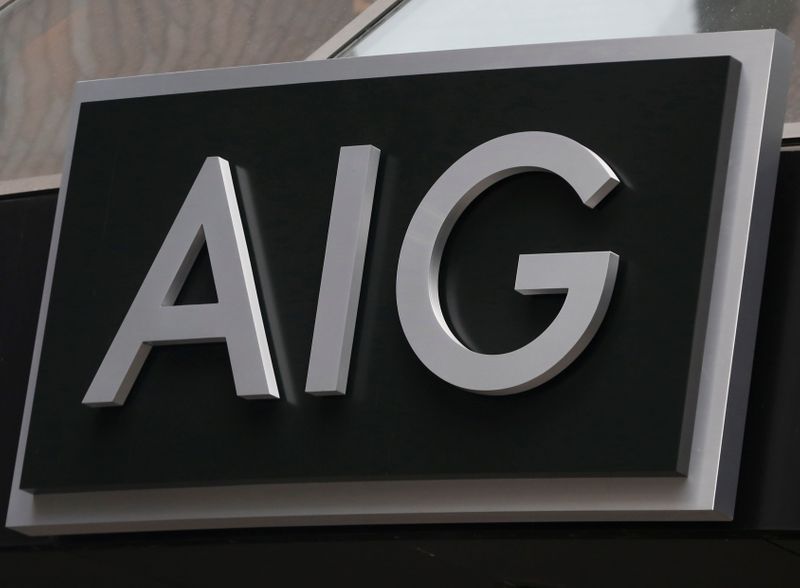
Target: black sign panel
(662, 126)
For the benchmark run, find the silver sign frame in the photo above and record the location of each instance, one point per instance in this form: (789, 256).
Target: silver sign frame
(708, 491)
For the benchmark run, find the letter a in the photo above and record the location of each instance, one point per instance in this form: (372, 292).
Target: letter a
(209, 214)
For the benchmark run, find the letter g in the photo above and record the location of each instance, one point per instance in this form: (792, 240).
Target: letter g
(586, 277)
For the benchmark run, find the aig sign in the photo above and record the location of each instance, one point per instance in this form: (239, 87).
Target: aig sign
(210, 213)
(507, 284)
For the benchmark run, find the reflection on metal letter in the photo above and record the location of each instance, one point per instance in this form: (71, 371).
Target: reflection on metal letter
(586, 277)
(210, 213)
(342, 271)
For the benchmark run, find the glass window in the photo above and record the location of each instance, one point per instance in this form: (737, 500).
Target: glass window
(47, 45)
(427, 25)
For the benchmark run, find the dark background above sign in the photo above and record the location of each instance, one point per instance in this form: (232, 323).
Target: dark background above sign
(617, 410)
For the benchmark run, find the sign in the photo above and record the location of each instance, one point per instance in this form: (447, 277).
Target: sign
(484, 285)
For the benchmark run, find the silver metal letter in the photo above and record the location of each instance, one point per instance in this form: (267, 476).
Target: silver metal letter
(210, 213)
(342, 270)
(587, 277)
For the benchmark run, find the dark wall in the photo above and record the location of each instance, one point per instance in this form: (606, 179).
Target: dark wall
(26, 224)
